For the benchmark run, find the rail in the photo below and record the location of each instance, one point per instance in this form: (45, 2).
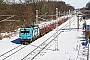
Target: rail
(11, 52)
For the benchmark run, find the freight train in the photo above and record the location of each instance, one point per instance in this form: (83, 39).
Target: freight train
(30, 33)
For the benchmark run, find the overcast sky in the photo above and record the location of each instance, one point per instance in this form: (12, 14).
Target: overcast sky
(77, 3)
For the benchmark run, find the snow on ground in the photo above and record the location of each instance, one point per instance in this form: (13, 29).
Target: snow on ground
(89, 51)
(69, 45)
(66, 48)
(67, 42)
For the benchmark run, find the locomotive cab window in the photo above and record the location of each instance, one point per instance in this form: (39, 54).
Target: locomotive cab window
(24, 32)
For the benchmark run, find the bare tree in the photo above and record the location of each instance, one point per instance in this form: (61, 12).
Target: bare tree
(28, 1)
(1, 1)
(31, 1)
(88, 5)
(7, 1)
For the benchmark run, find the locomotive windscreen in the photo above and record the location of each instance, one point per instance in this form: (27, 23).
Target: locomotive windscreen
(24, 31)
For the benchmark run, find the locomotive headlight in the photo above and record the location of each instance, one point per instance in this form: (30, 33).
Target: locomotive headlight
(20, 37)
(28, 37)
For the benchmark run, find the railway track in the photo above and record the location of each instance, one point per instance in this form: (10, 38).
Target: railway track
(43, 46)
(11, 52)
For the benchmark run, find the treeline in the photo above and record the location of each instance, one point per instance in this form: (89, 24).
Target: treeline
(26, 12)
(88, 5)
(86, 10)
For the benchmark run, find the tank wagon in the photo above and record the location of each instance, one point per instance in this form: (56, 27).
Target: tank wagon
(31, 33)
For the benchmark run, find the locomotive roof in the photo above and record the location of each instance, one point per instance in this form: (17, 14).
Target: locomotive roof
(31, 26)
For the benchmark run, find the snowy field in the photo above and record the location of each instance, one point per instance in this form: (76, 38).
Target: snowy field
(69, 45)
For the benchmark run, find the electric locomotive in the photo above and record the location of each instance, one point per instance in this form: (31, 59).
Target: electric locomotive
(28, 34)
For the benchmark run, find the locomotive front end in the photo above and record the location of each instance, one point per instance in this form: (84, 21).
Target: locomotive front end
(25, 35)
